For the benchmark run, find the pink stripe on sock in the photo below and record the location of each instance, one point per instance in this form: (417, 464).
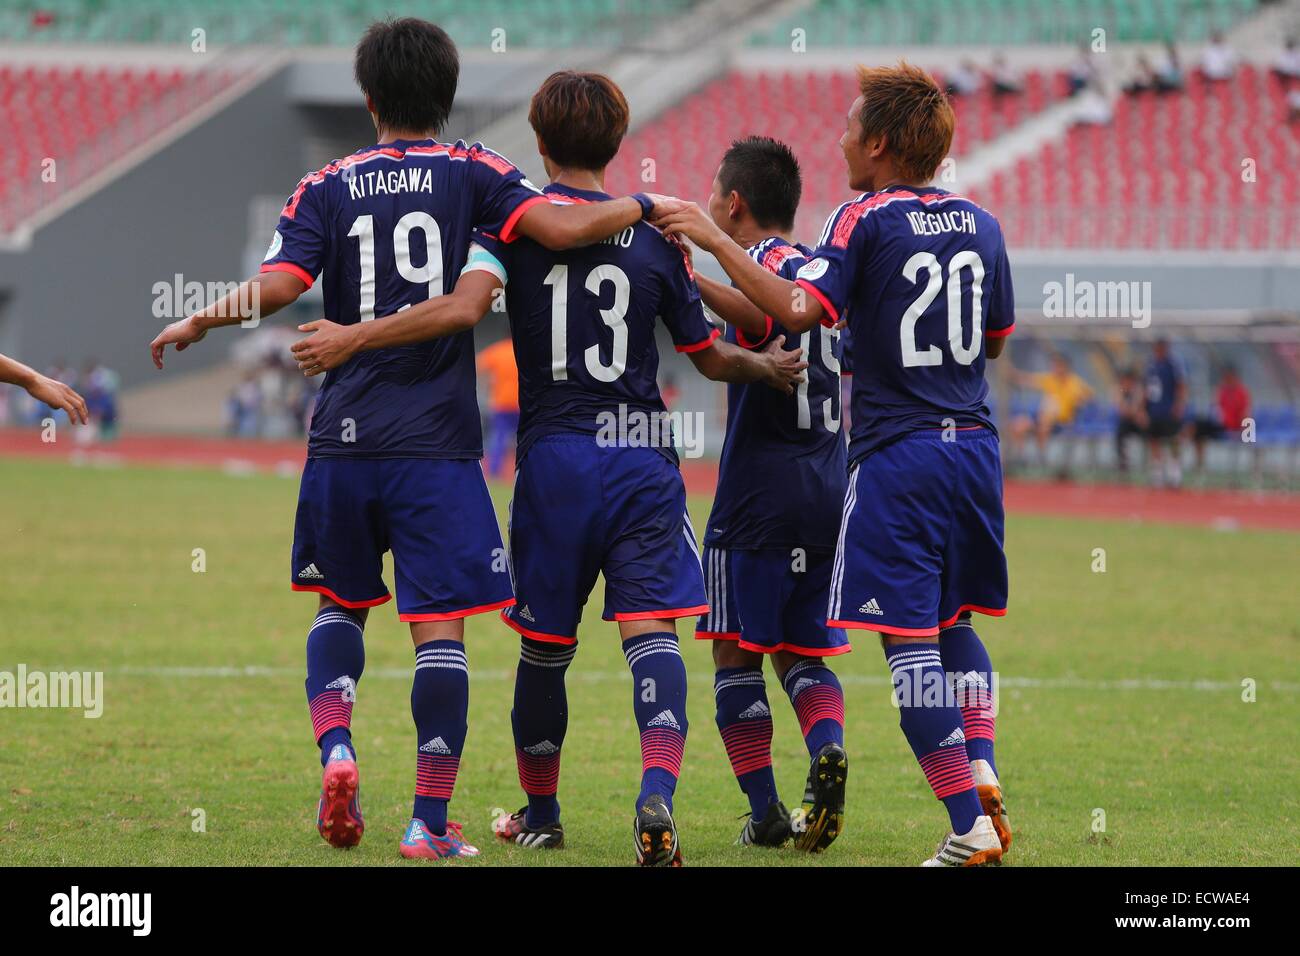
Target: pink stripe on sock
(749, 745)
(539, 776)
(661, 747)
(819, 702)
(435, 776)
(330, 710)
(948, 771)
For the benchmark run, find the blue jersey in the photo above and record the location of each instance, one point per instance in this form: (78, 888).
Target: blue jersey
(1162, 381)
(782, 477)
(391, 226)
(583, 324)
(922, 278)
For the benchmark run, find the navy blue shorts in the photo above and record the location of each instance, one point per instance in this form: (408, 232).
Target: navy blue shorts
(770, 600)
(580, 510)
(921, 537)
(435, 516)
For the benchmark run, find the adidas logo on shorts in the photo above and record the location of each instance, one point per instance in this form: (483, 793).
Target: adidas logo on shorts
(871, 607)
(311, 572)
(435, 746)
(664, 718)
(527, 615)
(544, 749)
(954, 738)
(756, 709)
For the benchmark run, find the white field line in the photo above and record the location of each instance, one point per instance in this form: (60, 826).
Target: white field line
(597, 677)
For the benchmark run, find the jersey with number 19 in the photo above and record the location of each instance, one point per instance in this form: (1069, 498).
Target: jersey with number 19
(922, 279)
(395, 434)
(772, 531)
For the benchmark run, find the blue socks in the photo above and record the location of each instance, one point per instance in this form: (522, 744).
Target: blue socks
(659, 702)
(539, 719)
(336, 656)
(440, 706)
(745, 722)
(964, 654)
(818, 702)
(932, 724)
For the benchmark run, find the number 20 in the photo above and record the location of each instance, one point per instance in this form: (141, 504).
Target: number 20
(932, 354)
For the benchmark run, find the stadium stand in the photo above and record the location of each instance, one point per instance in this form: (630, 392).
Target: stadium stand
(687, 141)
(528, 23)
(82, 118)
(1166, 173)
(1004, 22)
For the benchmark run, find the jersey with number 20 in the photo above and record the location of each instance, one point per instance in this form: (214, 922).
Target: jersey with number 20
(921, 276)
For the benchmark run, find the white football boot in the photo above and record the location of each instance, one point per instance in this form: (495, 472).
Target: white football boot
(990, 791)
(977, 848)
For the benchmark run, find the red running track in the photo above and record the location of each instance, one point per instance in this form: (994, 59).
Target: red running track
(1219, 509)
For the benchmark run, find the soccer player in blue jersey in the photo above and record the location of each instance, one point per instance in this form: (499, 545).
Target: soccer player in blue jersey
(770, 540)
(921, 278)
(393, 455)
(598, 488)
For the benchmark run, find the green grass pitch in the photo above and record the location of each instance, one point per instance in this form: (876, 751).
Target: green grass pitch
(1122, 696)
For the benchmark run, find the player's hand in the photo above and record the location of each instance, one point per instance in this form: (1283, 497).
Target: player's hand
(692, 222)
(785, 369)
(57, 395)
(328, 346)
(181, 334)
(664, 205)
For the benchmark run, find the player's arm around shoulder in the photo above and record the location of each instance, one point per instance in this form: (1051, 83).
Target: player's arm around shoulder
(559, 226)
(329, 344)
(774, 365)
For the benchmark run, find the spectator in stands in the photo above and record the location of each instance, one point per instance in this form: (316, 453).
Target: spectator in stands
(497, 364)
(1166, 407)
(1131, 406)
(1143, 79)
(1064, 392)
(244, 408)
(1006, 81)
(99, 386)
(1287, 64)
(1082, 71)
(1219, 61)
(965, 79)
(1233, 400)
(1169, 75)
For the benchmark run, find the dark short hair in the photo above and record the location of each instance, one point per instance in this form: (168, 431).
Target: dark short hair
(409, 69)
(580, 117)
(765, 172)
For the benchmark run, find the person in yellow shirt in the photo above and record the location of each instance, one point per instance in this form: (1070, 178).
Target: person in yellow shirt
(497, 363)
(1064, 393)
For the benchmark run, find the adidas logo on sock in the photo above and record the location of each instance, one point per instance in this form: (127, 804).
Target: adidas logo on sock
(756, 709)
(347, 685)
(544, 749)
(664, 718)
(871, 607)
(527, 615)
(954, 738)
(970, 679)
(311, 572)
(435, 746)
(802, 684)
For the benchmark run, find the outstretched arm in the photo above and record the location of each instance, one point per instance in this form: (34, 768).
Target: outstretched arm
(331, 344)
(783, 300)
(774, 366)
(43, 388)
(564, 226)
(255, 299)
